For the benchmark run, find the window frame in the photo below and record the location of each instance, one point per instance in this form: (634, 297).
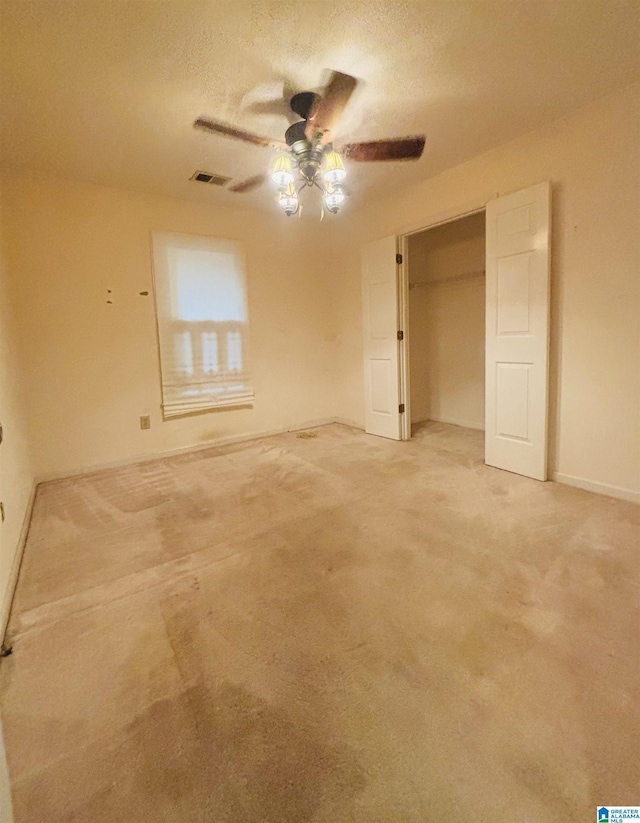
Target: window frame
(204, 390)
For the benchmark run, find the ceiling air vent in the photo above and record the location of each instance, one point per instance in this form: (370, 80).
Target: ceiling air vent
(208, 177)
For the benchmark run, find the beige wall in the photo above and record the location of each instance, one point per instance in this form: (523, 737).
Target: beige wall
(446, 322)
(92, 367)
(6, 806)
(16, 480)
(593, 160)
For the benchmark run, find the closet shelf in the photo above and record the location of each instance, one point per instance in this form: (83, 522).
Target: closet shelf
(460, 278)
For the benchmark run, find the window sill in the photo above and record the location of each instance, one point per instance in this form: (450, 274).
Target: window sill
(180, 408)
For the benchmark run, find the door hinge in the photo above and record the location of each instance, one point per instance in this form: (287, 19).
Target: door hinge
(398, 259)
(401, 408)
(400, 335)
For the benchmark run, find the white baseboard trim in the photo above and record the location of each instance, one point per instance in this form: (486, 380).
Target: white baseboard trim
(598, 488)
(7, 602)
(212, 444)
(345, 421)
(464, 423)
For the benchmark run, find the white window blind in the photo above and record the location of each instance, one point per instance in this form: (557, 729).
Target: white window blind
(201, 307)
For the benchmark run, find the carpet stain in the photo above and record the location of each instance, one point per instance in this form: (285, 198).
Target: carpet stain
(494, 642)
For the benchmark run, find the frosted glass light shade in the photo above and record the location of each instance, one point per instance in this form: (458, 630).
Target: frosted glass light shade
(288, 199)
(334, 170)
(333, 198)
(283, 172)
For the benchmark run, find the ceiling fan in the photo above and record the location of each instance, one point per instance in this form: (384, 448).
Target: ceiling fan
(308, 146)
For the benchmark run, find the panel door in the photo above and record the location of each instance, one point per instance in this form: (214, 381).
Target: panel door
(380, 329)
(517, 331)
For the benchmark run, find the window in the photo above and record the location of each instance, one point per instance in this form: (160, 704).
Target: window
(201, 306)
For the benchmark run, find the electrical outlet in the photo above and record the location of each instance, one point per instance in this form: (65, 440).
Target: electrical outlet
(145, 422)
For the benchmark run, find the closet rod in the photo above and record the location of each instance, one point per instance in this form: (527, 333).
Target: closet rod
(471, 275)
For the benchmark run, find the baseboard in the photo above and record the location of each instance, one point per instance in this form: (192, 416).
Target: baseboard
(7, 602)
(464, 423)
(345, 421)
(598, 488)
(212, 444)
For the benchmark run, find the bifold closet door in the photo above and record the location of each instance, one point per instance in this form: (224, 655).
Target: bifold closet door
(380, 331)
(517, 331)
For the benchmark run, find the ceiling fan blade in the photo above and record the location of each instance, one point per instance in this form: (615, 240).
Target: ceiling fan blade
(248, 185)
(217, 127)
(402, 148)
(327, 110)
(273, 107)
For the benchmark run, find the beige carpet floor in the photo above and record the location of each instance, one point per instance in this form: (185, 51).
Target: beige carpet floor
(330, 628)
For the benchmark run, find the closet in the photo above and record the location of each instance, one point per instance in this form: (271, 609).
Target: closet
(447, 322)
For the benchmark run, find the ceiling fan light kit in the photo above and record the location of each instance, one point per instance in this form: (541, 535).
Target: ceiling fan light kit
(308, 161)
(309, 147)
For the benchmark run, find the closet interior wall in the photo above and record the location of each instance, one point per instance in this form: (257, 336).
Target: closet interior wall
(446, 322)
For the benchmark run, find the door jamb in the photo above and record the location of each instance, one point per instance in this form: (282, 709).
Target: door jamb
(402, 245)
(403, 347)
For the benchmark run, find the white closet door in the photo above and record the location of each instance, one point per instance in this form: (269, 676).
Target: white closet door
(517, 331)
(380, 329)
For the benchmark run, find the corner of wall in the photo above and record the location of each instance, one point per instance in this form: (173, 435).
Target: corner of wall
(16, 474)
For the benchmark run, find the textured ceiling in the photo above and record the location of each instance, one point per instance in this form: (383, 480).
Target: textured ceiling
(107, 91)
